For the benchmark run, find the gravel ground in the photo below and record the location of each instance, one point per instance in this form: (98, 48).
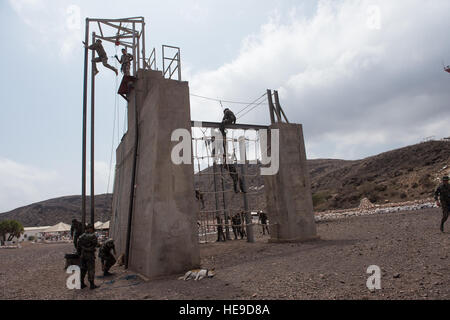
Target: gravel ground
(408, 247)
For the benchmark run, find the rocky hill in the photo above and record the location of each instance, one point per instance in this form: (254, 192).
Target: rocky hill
(64, 209)
(395, 176)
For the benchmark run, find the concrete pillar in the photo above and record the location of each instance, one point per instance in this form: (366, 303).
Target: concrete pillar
(164, 237)
(288, 193)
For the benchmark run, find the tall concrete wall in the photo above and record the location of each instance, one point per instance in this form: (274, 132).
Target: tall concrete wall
(288, 193)
(164, 236)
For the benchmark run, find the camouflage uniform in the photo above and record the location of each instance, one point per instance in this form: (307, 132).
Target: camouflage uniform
(228, 118)
(75, 231)
(102, 57)
(443, 194)
(263, 219)
(125, 61)
(107, 258)
(87, 244)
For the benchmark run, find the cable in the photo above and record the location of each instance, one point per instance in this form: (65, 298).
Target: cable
(221, 100)
(251, 109)
(254, 102)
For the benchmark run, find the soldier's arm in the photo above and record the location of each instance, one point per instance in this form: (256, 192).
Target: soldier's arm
(437, 193)
(436, 196)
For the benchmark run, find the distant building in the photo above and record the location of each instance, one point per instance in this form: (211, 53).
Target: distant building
(35, 233)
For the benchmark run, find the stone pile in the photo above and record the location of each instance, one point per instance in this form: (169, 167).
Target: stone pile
(367, 208)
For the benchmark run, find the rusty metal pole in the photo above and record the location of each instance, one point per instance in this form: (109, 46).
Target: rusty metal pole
(83, 157)
(92, 133)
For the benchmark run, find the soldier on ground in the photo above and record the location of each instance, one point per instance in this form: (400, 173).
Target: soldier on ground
(442, 197)
(75, 231)
(87, 244)
(125, 61)
(263, 220)
(220, 233)
(107, 258)
(102, 57)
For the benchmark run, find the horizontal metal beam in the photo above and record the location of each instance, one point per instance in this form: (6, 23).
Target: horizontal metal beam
(206, 124)
(134, 19)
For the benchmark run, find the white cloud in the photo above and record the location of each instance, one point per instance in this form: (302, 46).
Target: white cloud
(54, 25)
(353, 80)
(22, 184)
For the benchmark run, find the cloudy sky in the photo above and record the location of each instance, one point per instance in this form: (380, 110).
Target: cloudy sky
(363, 77)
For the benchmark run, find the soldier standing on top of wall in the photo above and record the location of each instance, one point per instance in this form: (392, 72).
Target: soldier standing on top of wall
(102, 57)
(125, 61)
(442, 197)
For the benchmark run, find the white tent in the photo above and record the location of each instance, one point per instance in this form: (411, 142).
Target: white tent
(59, 227)
(102, 226)
(105, 225)
(98, 225)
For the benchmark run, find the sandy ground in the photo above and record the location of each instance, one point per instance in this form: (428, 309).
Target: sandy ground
(408, 247)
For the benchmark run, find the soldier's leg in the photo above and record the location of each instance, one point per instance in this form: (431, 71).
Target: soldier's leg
(445, 212)
(83, 269)
(105, 63)
(126, 69)
(96, 60)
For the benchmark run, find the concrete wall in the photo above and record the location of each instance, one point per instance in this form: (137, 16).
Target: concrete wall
(288, 193)
(164, 236)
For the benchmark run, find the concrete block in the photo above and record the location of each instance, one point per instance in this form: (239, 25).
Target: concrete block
(288, 193)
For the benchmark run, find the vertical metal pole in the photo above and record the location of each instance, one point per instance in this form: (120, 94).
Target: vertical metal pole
(134, 49)
(138, 52)
(248, 216)
(179, 66)
(92, 132)
(225, 212)
(83, 158)
(269, 98)
(143, 46)
(163, 61)
(215, 189)
(277, 102)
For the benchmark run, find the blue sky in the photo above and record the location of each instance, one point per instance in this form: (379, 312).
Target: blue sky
(360, 85)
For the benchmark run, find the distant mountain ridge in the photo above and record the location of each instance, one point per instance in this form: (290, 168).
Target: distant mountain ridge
(399, 175)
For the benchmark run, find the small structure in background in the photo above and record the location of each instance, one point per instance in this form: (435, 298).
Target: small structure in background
(33, 234)
(57, 233)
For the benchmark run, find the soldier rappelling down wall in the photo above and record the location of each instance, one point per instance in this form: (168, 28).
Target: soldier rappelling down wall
(102, 57)
(125, 61)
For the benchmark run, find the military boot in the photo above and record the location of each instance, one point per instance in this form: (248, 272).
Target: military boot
(83, 285)
(92, 285)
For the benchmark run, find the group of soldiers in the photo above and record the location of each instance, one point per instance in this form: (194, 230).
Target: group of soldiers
(125, 59)
(86, 244)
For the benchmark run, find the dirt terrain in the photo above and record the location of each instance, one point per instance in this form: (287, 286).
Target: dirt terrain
(408, 247)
